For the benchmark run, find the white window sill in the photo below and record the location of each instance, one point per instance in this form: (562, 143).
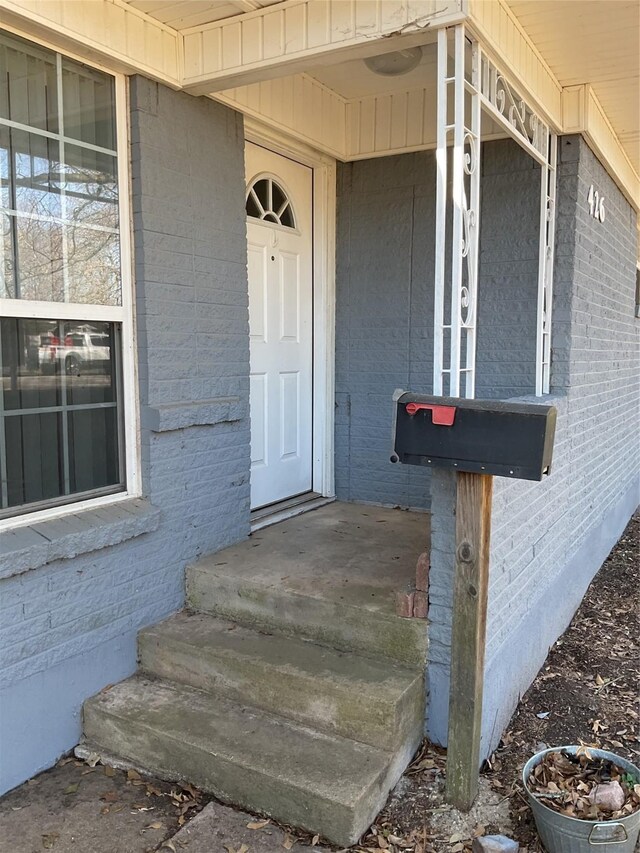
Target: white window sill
(32, 545)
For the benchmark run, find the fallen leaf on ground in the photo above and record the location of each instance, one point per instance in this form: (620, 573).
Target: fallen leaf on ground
(109, 771)
(110, 796)
(71, 789)
(132, 775)
(289, 841)
(315, 840)
(156, 825)
(258, 824)
(50, 839)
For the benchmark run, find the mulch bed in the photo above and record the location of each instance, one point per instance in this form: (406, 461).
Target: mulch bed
(588, 686)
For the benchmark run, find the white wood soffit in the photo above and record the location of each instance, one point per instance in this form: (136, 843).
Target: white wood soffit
(289, 37)
(347, 129)
(574, 109)
(299, 106)
(583, 113)
(110, 33)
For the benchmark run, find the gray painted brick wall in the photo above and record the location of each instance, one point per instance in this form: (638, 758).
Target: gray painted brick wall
(384, 337)
(508, 272)
(384, 311)
(69, 628)
(549, 539)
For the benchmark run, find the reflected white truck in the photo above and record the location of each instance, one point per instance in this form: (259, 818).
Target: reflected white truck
(83, 350)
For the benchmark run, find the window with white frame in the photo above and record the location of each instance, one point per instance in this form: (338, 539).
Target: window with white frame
(63, 308)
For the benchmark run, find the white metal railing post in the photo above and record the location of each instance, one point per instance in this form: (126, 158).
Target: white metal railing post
(545, 266)
(459, 359)
(457, 230)
(472, 167)
(441, 214)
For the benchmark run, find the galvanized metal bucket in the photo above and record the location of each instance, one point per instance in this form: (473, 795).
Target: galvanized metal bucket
(562, 834)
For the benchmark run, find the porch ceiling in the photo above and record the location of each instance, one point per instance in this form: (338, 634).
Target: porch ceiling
(594, 42)
(182, 14)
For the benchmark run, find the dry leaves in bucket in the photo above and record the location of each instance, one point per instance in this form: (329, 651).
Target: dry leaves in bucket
(584, 786)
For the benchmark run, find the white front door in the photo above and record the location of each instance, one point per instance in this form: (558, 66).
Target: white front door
(280, 262)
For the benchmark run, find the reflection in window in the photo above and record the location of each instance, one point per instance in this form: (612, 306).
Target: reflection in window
(266, 200)
(60, 410)
(61, 402)
(59, 239)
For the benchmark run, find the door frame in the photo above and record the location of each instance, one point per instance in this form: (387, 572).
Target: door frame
(324, 292)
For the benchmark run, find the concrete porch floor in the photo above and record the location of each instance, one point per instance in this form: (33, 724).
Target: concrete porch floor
(346, 553)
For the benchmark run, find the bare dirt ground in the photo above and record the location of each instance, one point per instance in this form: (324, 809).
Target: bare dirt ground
(586, 692)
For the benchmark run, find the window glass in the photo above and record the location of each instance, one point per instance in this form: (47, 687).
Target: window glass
(30, 173)
(28, 83)
(7, 258)
(87, 96)
(91, 187)
(30, 375)
(34, 458)
(93, 266)
(93, 449)
(266, 200)
(60, 409)
(38, 264)
(59, 195)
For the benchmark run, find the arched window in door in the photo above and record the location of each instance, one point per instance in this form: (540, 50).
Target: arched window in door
(267, 201)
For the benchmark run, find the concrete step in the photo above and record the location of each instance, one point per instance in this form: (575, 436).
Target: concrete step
(324, 783)
(372, 701)
(349, 617)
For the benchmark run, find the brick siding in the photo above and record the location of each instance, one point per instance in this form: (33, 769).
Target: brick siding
(70, 627)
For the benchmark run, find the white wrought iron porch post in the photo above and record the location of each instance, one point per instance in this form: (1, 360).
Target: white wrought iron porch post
(472, 166)
(545, 265)
(457, 360)
(510, 111)
(457, 230)
(441, 215)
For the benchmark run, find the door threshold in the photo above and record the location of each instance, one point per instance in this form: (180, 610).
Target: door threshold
(272, 514)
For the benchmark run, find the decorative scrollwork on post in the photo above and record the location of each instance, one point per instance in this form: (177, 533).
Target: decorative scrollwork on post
(469, 235)
(471, 155)
(504, 100)
(467, 291)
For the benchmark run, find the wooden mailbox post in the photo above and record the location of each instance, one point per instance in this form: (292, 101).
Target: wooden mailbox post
(470, 592)
(477, 439)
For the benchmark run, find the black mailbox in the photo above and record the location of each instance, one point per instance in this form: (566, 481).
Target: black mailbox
(480, 436)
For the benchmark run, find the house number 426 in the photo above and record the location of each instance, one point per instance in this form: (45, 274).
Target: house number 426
(596, 204)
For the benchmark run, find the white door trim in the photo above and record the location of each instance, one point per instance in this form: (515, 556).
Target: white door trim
(324, 290)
